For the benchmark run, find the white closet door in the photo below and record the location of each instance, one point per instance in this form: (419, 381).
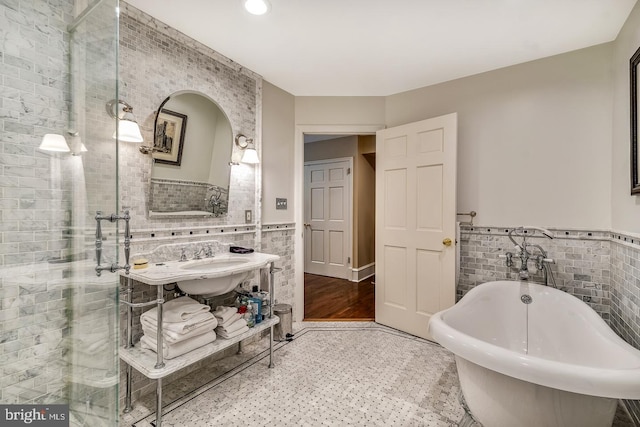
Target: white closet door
(328, 218)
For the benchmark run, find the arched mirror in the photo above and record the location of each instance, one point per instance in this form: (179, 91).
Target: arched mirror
(191, 152)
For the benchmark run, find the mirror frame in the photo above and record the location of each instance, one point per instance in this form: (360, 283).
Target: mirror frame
(634, 62)
(154, 160)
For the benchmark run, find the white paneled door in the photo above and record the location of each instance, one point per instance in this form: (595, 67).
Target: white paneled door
(415, 222)
(327, 233)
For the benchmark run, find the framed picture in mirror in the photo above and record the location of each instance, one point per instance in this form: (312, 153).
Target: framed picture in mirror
(634, 87)
(168, 141)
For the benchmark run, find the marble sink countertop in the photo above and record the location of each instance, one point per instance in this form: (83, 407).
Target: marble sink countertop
(166, 272)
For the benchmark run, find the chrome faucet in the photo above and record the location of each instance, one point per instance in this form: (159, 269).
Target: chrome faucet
(208, 252)
(521, 248)
(198, 253)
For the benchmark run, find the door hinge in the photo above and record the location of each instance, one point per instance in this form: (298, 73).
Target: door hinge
(348, 260)
(348, 171)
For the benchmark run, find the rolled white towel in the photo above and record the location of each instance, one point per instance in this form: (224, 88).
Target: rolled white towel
(178, 310)
(235, 333)
(224, 313)
(172, 337)
(169, 351)
(232, 327)
(180, 327)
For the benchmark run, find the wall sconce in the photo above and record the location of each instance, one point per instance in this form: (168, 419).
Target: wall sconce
(128, 129)
(56, 143)
(249, 155)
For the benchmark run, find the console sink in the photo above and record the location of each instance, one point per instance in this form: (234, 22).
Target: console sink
(213, 264)
(226, 278)
(208, 276)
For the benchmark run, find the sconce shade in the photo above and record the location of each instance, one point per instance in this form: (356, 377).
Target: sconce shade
(128, 131)
(250, 156)
(54, 142)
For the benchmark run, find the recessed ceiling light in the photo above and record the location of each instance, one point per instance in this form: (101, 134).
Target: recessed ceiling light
(256, 7)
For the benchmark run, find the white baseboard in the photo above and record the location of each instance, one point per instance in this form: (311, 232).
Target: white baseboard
(364, 272)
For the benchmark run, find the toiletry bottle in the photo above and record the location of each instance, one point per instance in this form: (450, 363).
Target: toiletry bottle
(257, 309)
(249, 315)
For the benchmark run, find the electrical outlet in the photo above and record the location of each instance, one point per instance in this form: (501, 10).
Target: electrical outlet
(281, 203)
(247, 216)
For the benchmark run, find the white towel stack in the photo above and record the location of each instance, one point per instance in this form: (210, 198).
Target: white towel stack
(186, 325)
(90, 349)
(230, 322)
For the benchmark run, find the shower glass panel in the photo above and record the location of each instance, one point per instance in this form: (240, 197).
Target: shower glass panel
(58, 319)
(92, 314)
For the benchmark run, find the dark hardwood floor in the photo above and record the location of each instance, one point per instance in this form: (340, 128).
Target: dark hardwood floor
(328, 298)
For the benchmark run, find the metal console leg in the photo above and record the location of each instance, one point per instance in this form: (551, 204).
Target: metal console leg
(271, 346)
(127, 399)
(159, 402)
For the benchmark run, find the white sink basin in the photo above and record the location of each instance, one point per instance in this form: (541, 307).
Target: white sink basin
(212, 264)
(220, 275)
(208, 276)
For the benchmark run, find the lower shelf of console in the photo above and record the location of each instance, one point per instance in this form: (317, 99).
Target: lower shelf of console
(144, 361)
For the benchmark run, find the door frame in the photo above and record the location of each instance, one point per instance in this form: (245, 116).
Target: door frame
(298, 153)
(349, 248)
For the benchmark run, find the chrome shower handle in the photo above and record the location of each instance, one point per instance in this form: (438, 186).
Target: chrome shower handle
(127, 242)
(98, 218)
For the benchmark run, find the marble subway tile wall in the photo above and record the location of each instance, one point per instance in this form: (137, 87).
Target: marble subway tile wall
(34, 202)
(625, 296)
(157, 61)
(278, 239)
(582, 262)
(625, 293)
(34, 96)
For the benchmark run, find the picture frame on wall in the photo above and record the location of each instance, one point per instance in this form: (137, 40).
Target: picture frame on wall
(634, 86)
(168, 141)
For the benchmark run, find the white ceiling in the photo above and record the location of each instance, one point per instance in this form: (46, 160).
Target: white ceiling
(383, 47)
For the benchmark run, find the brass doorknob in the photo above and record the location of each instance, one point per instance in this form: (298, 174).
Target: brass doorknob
(307, 224)
(447, 242)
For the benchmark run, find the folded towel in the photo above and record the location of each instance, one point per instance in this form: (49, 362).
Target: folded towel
(235, 333)
(172, 337)
(169, 351)
(178, 310)
(224, 313)
(103, 360)
(230, 321)
(232, 327)
(180, 327)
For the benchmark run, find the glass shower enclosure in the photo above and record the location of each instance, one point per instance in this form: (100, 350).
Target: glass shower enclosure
(58, 318)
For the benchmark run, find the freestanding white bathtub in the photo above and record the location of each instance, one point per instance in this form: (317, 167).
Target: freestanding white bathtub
(551, 362)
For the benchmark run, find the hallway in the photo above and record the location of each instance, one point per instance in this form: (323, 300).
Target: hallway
(328, 298)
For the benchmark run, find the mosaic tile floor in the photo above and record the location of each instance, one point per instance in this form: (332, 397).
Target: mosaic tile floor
(332, 373)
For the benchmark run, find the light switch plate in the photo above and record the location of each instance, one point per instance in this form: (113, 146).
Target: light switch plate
(281, 204)
(247, 216)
